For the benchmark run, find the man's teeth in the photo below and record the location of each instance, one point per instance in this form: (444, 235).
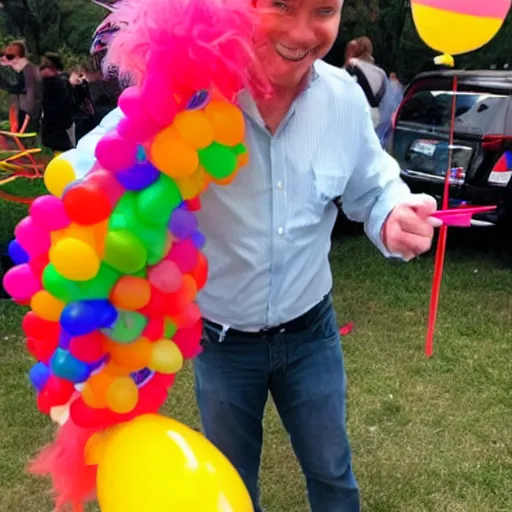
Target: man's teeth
(288, 54)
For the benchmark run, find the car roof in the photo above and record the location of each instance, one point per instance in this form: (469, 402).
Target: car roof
(476, 80)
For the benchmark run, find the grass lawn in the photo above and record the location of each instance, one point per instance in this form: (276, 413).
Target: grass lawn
(427, 435)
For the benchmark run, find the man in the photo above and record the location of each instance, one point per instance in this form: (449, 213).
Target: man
(27, 88)
(57, 122)
(269, 323)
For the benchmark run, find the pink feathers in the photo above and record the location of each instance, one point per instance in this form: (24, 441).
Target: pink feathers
(189, 45)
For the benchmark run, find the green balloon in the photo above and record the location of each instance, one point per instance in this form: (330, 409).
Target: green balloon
(60, 287)
(124, 252)
(170, 328)
(156, 202)
(100, 286)
(128, 327)
(218, 160)
(239, 149)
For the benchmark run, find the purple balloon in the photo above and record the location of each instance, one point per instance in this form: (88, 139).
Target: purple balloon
(138, 177)
(64, 340)
(198, 239)
(182, 223)
(17, 254)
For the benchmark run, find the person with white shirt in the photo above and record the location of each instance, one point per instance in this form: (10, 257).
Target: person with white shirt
(269, 322)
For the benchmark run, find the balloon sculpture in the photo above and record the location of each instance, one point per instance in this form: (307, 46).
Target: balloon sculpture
(453, 27)
(110, 266)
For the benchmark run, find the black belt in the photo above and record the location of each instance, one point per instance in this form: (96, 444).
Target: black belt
(298, 324)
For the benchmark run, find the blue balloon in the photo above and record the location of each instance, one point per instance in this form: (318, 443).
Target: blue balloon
(17, 254)
(182, 223)
(68, 367)
(198, 239)
(39, 375)
(83, 317)
(138, 177)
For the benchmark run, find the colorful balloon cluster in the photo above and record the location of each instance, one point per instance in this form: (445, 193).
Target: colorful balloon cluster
(111, 264)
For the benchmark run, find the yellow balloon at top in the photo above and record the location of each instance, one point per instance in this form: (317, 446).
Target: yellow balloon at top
(458, 26)
(157, 464)
(58, 175)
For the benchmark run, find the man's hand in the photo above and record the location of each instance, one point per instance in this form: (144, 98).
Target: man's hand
(409, 229)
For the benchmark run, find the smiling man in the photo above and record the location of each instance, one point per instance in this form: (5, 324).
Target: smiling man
(269, 322)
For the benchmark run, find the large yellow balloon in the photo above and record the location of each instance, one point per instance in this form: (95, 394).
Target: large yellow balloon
(157, 464)
(458, 26)
(58, 175)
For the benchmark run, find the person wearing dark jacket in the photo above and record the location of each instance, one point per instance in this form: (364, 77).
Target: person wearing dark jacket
(57, 104)
(26, 86)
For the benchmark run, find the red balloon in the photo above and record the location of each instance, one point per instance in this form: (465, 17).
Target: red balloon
(88, 348)
(156, 304)
(56, 392)
(39, 329)
(200, 272)
(175, 303)
(194, 204)
(188, 340)
(155, 328)
(189, 317)
(86, 204)
(106, 182)
(44, 349)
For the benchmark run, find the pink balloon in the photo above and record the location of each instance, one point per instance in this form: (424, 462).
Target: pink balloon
(130, 101)
(185, 255)
(34, 239)
(21, 283)
(137, 128)
(48, 213)
(115, 153)
(159, 101)
(165, 276)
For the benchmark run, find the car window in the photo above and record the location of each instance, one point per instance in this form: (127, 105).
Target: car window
(474, 112)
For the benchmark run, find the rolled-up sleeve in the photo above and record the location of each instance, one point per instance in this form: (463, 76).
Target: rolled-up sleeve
(375, 186)
(82, 157)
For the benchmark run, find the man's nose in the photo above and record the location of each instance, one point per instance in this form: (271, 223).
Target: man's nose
(301, 31)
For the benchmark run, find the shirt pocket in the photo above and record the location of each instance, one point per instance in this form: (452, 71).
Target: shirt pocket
(330, 181)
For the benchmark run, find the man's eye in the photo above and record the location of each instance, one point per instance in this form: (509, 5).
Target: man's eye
(326, 11)
(282, 6)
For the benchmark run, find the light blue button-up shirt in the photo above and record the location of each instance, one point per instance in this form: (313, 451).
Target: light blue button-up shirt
(268, 233)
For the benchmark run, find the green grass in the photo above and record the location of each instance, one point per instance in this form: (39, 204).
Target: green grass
(427, 435)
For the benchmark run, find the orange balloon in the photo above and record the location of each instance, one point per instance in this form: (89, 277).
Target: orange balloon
(242, 159)
(131, 293)
(195, 128)
(130, 357)
(100, 234)
(227, 121)
(174, 157)
(46, 306)
(192, 185)
(95, 389)
(225, 181)
(200, 272)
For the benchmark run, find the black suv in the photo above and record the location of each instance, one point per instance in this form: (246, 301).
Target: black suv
(481, 167)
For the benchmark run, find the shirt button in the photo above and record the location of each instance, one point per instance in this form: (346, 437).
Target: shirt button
(280, 230)
(279, 185)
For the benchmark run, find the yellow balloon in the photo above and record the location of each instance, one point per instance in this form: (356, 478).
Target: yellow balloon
(458, 26)
(166, 357)
(47, 306)
(122, 395)
(192, 185)
(75, 260)
(157, 464)
(58, 174)
(195, 128)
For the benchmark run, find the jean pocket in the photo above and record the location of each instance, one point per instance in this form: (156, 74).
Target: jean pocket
(210, 335)
(325, 325)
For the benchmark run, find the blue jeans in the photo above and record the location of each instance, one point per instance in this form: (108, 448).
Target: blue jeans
(305, 374)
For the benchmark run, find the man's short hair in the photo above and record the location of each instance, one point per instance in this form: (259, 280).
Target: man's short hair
(54, 60)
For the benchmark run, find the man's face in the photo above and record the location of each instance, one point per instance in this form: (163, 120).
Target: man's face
(10, 56)
(292, 34)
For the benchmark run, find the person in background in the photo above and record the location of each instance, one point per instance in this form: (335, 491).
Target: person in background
(388, 106)
(360, 64)
(27, 86)
(83, 110)
(57, 120)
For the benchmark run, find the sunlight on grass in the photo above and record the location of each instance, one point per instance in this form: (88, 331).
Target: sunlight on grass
(427, 435)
